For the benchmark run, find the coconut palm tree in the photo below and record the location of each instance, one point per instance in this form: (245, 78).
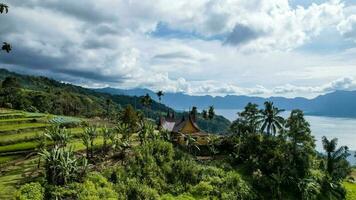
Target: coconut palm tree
(206, 117)
(336, 165)
(194, 113)
(205, 114)
(4, 8)
(159, 95)
(211, 112)
(209, 115)
(270, 119)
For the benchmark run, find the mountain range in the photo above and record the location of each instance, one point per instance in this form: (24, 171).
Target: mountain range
(334, 104)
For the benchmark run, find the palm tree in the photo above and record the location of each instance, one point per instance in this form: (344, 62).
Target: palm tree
(146, 101)
(336, 166)
(249, 117)
(194, 113)
(205, 114)
(206, 117)
(4, 8)
(159, 95)
(270, 119)
(211, 114)
(6, 47)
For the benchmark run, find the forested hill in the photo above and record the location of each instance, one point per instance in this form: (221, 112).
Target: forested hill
(47, 95)
(42, 94)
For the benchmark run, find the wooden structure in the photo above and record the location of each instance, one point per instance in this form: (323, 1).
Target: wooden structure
(181, 128)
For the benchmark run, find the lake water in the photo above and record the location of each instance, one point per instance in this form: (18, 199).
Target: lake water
(342, 128)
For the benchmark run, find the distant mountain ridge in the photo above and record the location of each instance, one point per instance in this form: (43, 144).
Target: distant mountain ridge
(334, 104)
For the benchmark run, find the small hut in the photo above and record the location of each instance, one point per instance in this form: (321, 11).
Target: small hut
(180, 128)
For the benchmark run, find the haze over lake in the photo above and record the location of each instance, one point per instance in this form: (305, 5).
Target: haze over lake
(342, 128)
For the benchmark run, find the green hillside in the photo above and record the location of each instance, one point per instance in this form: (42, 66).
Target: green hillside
(41, 94)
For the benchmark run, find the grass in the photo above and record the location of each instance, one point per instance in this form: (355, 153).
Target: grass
(351, 190)
(18, 120)
(19, 127)
(7, 139)
(18, 133)
(5, 159)
(18, 147)
(14, 176)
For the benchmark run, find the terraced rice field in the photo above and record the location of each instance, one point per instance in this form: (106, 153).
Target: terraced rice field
(19, 132)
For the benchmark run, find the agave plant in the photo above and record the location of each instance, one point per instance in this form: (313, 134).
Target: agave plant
(59, 136)
(88, 136)
(191, 143)
(107, 134)
(124, 130)
(61, 166)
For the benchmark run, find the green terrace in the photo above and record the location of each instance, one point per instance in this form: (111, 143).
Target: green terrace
(19, 134)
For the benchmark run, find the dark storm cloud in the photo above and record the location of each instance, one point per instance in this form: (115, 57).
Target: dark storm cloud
(43, 39)
(80, 9)
(241, 34)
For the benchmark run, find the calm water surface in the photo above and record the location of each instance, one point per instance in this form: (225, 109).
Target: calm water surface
(342, 128)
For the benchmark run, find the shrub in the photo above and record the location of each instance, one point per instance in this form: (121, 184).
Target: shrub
(96, 187)
(203, 189)
(152, 163)
(138, 191)
(180, 197)
(30, 191)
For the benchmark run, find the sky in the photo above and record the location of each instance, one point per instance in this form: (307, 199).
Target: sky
(200, 47)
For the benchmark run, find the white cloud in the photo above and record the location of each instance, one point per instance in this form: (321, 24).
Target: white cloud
(347, 27)
(109, 43)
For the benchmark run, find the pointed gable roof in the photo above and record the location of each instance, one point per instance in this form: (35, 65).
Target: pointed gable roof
(185, 125)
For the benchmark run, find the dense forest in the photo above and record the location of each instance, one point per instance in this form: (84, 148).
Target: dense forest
(41, 94)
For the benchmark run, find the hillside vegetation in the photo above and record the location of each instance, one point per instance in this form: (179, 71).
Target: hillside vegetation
(41, 94)
(20, 139)
(264, 157)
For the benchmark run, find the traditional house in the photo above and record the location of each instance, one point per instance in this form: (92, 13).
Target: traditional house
(181, 128)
